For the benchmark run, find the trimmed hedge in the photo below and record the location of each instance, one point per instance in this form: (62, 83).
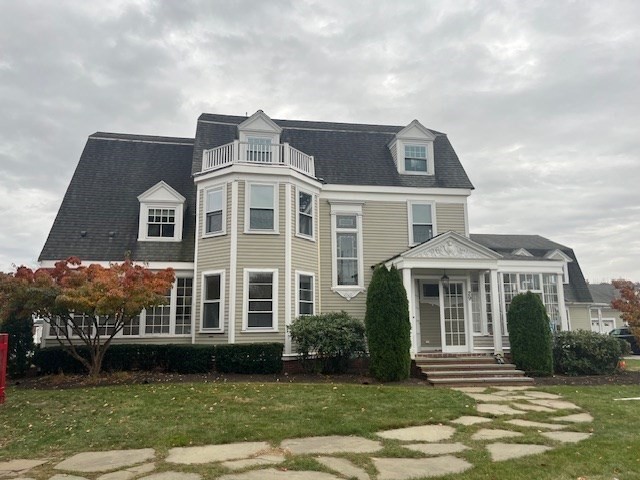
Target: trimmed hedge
(249, 358)
(530, 335)
(329, 341)
(586, 353)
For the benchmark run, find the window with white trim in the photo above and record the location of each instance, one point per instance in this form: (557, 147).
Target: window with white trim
(305, 214)
(261, 293)
(347, 257)
(184, 292)
(132, 328)
(421, 222)
(161, 222)
(305, 294)
(415, 158)
(214, 220)
(212, 301)
(262, 212)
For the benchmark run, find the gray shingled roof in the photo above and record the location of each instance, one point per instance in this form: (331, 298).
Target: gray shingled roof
(345, 153)
(102, 198)
(577, 289)
(603, 292)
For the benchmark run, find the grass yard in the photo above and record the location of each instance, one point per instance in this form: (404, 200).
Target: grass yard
(633, 365)
(56, 423)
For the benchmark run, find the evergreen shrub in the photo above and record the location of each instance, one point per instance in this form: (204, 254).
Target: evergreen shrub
(387, 326)
(328, 342)
(586, 353)
(530, 335)
(261, 358)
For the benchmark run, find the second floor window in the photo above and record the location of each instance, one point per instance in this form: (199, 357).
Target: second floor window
(415, 158)
(214, 209)
(262, 207)
(161, 222)
(421, 222)
(305, 214)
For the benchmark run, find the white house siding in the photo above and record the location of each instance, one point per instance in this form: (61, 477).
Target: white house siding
(385, 234)
(213, 254)
(260, 251)
(450, 216)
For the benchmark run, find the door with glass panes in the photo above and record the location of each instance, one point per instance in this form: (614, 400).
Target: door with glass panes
(453, 307)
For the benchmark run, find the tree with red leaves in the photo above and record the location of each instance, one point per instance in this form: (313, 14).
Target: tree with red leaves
(84, 305)
(628, 304)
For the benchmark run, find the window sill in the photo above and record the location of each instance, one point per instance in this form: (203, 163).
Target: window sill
(213, 235)
(160, 239)
(211, 330)
(306, 237)
(261, 232)
(406, 172)
(259, 330)
(347, 292)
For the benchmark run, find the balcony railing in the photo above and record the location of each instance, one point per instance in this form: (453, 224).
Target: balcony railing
(238, 152)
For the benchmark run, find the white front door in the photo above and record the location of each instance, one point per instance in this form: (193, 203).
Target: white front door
(453, 317)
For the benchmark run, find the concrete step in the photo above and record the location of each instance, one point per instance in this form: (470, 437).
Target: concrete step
(466, 366)
(473, 373)
(480, 381)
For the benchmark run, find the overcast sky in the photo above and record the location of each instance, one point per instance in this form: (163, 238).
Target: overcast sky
(541, 100)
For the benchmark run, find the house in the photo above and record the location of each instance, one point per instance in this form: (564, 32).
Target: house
(265, 220)
(597, 315)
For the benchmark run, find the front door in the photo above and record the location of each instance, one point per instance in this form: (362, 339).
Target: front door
(453, 317)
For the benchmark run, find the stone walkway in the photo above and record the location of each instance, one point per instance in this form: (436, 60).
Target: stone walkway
(442, 451)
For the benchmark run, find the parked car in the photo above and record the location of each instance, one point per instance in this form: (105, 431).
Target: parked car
(625, 334)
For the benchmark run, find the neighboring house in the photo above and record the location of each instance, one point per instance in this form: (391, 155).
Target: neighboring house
(597, 315)
(265, 220)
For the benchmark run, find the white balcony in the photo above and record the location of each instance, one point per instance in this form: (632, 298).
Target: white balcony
(238, 152)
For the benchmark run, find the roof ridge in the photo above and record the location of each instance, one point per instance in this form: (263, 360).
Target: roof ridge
(128, 137)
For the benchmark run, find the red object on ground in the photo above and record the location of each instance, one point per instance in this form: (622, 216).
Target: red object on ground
(4, 347)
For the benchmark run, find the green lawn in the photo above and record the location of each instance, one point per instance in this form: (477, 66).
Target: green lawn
(633, 365)
(54, 423)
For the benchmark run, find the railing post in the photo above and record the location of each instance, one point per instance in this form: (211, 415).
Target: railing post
(287, 154)
(4, 349)
(235, 154)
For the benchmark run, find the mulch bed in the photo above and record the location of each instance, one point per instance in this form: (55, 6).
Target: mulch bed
(50, 382)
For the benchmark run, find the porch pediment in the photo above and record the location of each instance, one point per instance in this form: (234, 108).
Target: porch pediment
(451, 245)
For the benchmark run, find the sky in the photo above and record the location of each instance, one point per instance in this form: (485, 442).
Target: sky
(541, 100)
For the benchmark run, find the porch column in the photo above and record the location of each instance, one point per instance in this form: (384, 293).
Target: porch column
(408, 286)
(496, 312)
(564, 324)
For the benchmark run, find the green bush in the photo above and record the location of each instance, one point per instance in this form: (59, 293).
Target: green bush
(21, 346)
(328, 342)
(130, 357)
(387, 326)
(249, 358)
(586, 353)
(530, 335)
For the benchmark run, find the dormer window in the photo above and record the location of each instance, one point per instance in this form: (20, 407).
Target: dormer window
(161, 212)
(259, 149)
(415, 158)
(412, 150)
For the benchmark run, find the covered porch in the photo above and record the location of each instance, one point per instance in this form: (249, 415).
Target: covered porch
(459, 292)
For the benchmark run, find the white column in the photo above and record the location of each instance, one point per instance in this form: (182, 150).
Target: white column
(408, 286)
(564, 323)
(233, 264)
(496, 312)
(287, 268)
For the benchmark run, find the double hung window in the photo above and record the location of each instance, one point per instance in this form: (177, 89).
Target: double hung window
(305, 214)
(421, 222)
(415, 158)
(161, 222)
(259, 149)
(214, 211)
(261, 299)
(305, 294)
(347, 250)
(212, 295)
(262, 208)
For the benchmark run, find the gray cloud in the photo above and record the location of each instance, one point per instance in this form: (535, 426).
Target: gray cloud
(540, 99)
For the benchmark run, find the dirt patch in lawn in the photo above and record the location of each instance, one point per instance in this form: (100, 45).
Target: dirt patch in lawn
(49, 382)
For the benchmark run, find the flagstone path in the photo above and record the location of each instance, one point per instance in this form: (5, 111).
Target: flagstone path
(443, 448)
